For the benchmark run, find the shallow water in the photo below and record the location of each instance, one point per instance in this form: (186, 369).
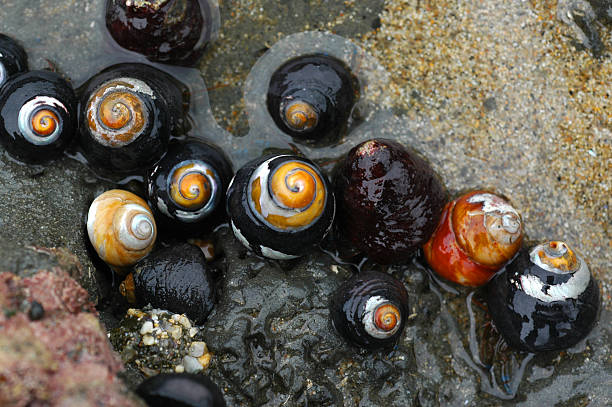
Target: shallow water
(270, 332)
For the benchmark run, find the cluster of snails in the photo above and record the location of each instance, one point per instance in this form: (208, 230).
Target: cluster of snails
(385, 200)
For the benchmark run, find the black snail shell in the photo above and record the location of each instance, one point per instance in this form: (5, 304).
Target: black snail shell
(280, 206)
(128, 112)
(389, 200)
(13, 58)
(545, 299)
(180, 390)
(370, 309)
(38, 116)
(175, 278)
(311, 98)
(187, 188)
(169, 31)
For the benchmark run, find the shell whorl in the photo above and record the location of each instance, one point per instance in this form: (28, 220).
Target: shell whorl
(501, 220)
(121, 227)
(381, 318)
(117, 112)
(194, 186)
(299, 115)
(40, 120)
(288, 196)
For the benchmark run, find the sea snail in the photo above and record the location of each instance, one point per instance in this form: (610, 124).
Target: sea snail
(169, 31)
(478, 233)
(370, 310)
(187, 188)
(280, 206)
(545, 299)
(121, 228)
(389, 200)
(128, 112)
(38, 116)
(311, 98)
(176, 278)
(180, 390)
(13, 58)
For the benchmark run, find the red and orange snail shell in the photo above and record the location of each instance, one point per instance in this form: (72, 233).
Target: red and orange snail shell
(479, 232)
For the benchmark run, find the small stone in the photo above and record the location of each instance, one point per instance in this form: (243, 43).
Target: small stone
(205, 360)
(193, 332)
(148, 340)
(146, 328)
(36, 311)
(183, 320)
(191, 364)
(197, 349)
(179, 368)
(175, 331)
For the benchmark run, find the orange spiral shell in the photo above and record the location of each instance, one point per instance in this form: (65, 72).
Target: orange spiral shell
(477, 234)
(44, 122)
(300, 116)
(190, 188)
(387, 317)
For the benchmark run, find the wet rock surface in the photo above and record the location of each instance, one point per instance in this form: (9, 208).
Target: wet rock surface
(495, 95)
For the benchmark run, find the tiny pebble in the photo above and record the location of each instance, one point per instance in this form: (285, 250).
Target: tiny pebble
(175, 331)
(191, 364)
(183, 320)
(193, 332)
(146, 328)
(197, 349)
(148, 340)
(179, 368)
(205, 360)
(36, 311)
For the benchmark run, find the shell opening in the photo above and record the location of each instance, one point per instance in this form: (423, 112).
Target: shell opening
(381, 318)
(40, 121)
(300, 116)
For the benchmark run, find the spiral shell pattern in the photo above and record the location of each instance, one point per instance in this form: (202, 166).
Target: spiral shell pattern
(39, 120)
(121, 227)
(299, 115)
(288, 197)
(194, 187)
(116, 113)
(370, 309)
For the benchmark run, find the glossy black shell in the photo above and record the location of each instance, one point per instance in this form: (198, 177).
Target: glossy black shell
(389, 200)
(348, 304)
(169, 216)
(169, 31)
(26, 89)
(180, 390)
(326, 83)
(167, 108)
(532, 325)
(13, 58)
(258, 234)
(178, 279)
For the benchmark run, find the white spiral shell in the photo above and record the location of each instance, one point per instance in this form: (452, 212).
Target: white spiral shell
(121, 227)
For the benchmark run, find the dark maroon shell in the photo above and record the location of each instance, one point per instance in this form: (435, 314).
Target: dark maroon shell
(389, 200)
(169, 31)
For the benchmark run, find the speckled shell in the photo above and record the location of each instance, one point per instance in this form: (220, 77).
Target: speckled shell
(13, 58)
(478, 233)
(127, 113)
(264, 224)
(38, 116)
(121, 228)
(175, 278)
(311, 98)
(538, 306)
(180, 390)
(389, 200)
(187, 188)
(169, 31)
(353, 309)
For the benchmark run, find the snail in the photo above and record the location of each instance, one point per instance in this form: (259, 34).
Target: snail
(478, 233)
(280, 206)
(176, 278)
(168, 31)
(370, 310)
(311, 98)
(186, 189)
(389, 200)
(128, 112)
(180, 390)
(545, 299)
(38, 116)
(13, 58)
(121, 228)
